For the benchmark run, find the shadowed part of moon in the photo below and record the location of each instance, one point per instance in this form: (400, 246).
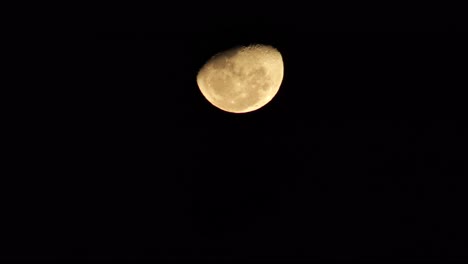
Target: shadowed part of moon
(243, 79)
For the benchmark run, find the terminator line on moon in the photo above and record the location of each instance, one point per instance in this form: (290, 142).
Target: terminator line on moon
(242, 79)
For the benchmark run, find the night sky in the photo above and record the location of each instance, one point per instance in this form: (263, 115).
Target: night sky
(361, 154)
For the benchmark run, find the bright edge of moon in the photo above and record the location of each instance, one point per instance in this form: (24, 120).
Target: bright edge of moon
(242, 79)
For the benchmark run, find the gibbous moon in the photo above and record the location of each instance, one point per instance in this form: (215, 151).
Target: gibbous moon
(242, 79)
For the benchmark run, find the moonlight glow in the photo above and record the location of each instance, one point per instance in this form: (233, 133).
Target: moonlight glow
(242, 79)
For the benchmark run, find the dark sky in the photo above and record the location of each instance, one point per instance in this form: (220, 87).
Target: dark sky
(361, 154)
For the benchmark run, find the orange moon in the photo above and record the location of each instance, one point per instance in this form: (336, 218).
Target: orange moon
(242, 79)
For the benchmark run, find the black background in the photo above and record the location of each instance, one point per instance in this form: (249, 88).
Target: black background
(361, 154)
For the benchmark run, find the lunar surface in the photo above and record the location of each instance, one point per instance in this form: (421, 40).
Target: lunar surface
(242, 79)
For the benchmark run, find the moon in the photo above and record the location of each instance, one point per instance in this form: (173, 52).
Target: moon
(242, 79)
